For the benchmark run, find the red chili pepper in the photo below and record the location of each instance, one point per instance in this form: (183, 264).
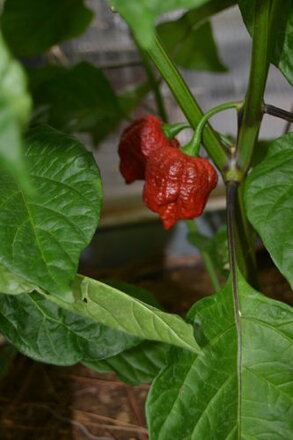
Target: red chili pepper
(137, 142)
(177, 186)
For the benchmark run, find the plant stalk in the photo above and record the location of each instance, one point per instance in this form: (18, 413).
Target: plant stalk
(259, 67)
(186, 101)
(278, 112)
(249, 125)
(231, 195)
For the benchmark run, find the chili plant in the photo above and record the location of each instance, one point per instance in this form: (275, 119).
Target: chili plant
(225, 372)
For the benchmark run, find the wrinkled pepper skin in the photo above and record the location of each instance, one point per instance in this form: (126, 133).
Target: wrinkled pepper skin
(177, 186)
(137, 142)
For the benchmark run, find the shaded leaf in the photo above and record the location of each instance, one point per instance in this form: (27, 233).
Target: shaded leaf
(200, 396)
(281, 41)
(216, 247)
(42, 237)
(31, 27)
(114, 308)
(141, 15)
(45, 332)
(132, 96)
(15, 105)
(77, 99)
(191, 43)
(137, 365)
(269, 203)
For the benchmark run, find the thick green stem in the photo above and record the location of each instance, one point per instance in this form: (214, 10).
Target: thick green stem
(187, 102)
(154, 84)
(253, 105)
(206, 258)
(250, 122)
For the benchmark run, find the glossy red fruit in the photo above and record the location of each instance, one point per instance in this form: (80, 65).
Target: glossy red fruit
(177, 186)
(138, 141)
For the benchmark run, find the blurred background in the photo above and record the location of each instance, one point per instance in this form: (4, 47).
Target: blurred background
(128, 228)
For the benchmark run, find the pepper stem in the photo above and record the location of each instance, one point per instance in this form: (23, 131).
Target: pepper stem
(171, 130)
(192, 148)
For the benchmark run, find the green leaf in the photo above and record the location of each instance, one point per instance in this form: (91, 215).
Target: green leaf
(12, 284)
(132, 96)
(281, 43)
(269, 203)
(31, 27)
(47, 333)
(114, 308)
(76, 99)
(216, 247)
(191, 43)
(42, 237)
(134, 291)
(137, 365)
(15, 105)
(237, 387)
(141, 15)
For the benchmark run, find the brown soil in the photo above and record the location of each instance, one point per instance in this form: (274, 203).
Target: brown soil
(44, 402)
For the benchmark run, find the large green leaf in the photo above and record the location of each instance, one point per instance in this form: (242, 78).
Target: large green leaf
(12, 284)
(281, 41)
(42, 237)
(45, 332)
(15, 105)
(240, 385)
(190, 39)
(141, 15)
(269, 202)
(139, 364)
(136, 365)
(33, 26)
(111, 307)
(77, 99)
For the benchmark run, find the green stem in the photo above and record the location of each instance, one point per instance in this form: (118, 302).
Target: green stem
(208, 262)
(171, 130)
(250, 122)
(253, 105)
(186, 101)
(154, 84)
(192, 148)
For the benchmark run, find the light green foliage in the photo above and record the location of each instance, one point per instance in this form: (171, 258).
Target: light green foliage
(269, 202)
(12, 284)
(114, 308)
(237, 387)
(139, 364)
(15, 105)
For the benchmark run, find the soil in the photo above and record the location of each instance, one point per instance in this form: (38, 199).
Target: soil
(45, 402)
